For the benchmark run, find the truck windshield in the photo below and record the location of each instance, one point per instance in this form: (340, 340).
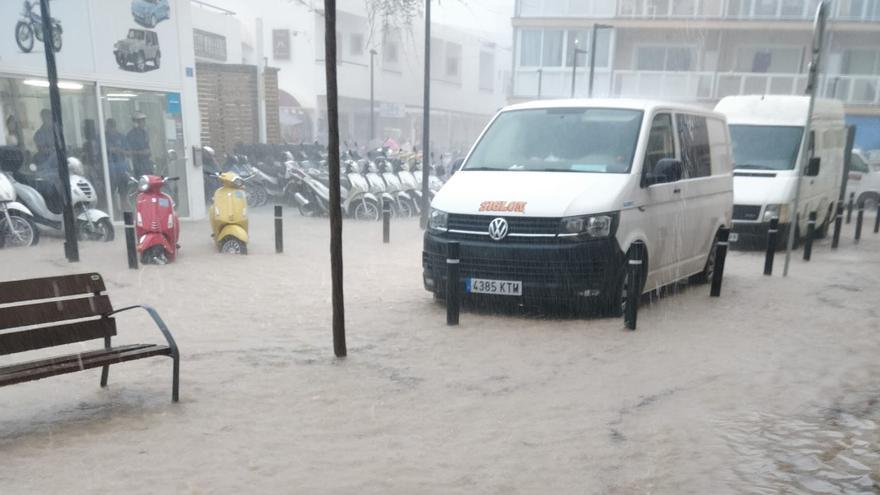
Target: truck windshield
(598, 140)
(765, 147)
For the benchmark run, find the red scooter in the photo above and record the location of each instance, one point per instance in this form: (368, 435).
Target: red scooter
(157, 226)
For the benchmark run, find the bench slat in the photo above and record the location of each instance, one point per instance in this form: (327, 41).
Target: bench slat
(50, 287)
(110, 356)
(49, 312)
(39, 338)
(79, 356)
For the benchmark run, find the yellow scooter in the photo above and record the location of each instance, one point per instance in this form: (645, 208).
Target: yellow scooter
(228, 213)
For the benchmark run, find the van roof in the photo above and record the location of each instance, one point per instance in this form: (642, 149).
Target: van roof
(626, 103)
(777, 109)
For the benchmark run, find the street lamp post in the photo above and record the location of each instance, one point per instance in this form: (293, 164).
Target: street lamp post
(372, 100)
(574, 58)
(426, 119)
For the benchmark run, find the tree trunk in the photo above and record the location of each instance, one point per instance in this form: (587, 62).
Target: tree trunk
(333, 163)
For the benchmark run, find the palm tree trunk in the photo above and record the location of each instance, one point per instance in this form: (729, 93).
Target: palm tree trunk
(333, 162)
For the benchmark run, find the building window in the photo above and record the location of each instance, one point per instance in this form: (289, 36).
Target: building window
(356, 44)
(487, 71)
(576, 40)
(453, 61)
(552, 48)
(391, 48)
(861, 62)
(530, 48)
(209, 45)
(693, 136)
(665, 58)
(773, 60)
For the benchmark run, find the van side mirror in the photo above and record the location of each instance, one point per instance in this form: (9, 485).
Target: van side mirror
(665, 171)
(813, 167)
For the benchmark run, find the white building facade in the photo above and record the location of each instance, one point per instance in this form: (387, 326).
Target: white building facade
(469, 72)
(700, 51)
(115, 59)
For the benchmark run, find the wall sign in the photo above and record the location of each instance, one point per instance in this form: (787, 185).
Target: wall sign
(281, 44)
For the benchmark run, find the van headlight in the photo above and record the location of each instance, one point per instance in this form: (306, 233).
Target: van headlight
(438, 220)
(590, 225)
(782, 212)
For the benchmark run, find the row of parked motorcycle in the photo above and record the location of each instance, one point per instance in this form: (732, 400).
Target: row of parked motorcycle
(30, 196)
(300, 178)
(30, 200)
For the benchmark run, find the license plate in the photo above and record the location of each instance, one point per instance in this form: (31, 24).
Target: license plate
(494, 287)
(733, 237)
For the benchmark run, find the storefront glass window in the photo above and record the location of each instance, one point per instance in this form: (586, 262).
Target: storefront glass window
(144, 134)
(27, 119)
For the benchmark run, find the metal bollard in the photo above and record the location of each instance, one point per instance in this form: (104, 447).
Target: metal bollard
(720, 255)
(772, 233)
(386, 221)
(877, 219)
(811, 233)
(130, 243)
(279, 230)
(634, 274)
(838, 222)
(859, 218)
(849, 207)
(453, 284)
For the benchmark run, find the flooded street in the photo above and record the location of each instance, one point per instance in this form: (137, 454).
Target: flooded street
(772, 388)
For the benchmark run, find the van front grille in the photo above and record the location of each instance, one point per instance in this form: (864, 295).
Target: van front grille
(746, 212)
(516, 225)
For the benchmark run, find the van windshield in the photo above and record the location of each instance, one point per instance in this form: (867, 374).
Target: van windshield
(765, 147)
(598, 140)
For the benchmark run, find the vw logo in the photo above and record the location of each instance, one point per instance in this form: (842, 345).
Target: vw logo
(498, 229)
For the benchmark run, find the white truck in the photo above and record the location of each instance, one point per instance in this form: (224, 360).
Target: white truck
(767, 131)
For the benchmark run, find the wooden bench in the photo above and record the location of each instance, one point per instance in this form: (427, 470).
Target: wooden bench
(47, 312)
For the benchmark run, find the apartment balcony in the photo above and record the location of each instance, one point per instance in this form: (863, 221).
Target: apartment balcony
(782, 10)
(712, 86)
(705, 87)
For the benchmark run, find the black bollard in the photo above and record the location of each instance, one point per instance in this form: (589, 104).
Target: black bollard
(859, 217)
(634, 275)
(386, 221)
(279, 230)
(811, 233)
(772, 233)
(453, 284)
(849, 207)
(130, 244)
(877, 219)
(720, 255)
(838, 223)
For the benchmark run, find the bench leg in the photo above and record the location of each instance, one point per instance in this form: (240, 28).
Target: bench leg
(175, 380)
(105, 372)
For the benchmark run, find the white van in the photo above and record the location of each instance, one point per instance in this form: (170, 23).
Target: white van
(553, 196)
(766, 133)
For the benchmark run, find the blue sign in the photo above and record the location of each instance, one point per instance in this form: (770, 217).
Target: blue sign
(189, 72)
(172, 103)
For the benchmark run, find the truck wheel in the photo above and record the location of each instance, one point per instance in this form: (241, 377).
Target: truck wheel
(140, 63)
(157, 60)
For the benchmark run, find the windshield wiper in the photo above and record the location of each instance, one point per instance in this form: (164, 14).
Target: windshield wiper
(477, 169)
(754, 167)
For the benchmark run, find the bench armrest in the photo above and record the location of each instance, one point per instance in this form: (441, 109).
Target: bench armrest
(159, 323)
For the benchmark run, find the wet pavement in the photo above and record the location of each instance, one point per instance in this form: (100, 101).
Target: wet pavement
(774, 388)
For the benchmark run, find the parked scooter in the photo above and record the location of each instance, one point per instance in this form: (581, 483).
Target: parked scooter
(39, 192)
(157, 226)
(228, 214)
(30, 26)
(404, 203)
(17, 227)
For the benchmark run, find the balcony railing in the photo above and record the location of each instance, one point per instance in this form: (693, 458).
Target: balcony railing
(691, 86)
(849, 10)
